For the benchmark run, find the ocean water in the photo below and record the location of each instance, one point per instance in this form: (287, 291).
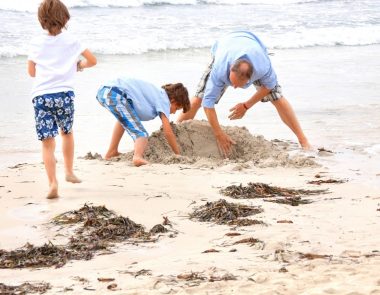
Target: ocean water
(140, 26)
(325, 52)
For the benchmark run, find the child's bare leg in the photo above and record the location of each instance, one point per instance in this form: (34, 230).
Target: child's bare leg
(68, 157)
(140, 145)
(48, 148)
(117, 134)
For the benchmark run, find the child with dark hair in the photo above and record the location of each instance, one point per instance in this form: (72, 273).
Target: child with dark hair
(132, 101)
(53, 62)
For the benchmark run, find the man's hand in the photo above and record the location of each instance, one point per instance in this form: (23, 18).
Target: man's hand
(224, 144)
(238, 111)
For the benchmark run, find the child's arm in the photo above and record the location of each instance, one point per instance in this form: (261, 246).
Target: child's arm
(31, 68)
(88, 62)
(168, 132)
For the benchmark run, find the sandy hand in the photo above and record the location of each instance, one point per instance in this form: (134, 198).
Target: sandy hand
(225, 144)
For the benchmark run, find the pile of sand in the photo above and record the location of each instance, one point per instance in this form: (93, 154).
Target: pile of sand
(198, 145)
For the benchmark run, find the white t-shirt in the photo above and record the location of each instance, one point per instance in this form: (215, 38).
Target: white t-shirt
(56, 60)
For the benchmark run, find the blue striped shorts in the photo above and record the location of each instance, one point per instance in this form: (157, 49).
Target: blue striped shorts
(116, 101)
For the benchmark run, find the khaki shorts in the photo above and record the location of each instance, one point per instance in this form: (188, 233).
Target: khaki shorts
(274, 94)
(200, 92)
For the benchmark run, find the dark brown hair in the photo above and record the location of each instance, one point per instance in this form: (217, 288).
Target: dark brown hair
(178, 93)
(53, 16)
(242, 72)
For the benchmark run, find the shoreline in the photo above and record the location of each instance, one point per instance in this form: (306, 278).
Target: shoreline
(331, 116)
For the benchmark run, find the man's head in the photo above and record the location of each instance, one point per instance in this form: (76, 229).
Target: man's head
(240, 73)
(53, 16)
(178, 97)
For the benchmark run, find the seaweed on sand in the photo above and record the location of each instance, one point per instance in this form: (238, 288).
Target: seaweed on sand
(97, 228)
(222, 212)
(25, 288)
(292, 201)
(42, 256)
(245, 222)
(262, 190)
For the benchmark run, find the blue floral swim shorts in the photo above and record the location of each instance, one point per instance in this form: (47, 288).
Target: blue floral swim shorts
(54, 110)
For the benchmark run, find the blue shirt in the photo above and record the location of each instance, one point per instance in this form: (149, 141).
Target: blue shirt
(148, 100)
(234, 46)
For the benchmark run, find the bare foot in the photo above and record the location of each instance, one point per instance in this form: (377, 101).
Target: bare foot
(109, 155)
(53, 192)
(72, 178)
(138, 161)
(306, 145)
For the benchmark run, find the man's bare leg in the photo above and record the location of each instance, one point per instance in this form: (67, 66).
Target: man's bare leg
(117, 134)
(196, 103)
(288, 116)
(140, 145)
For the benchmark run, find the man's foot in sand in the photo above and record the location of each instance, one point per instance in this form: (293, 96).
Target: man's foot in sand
(53, 191)
(72, 178)
(109, 155)
(138, 161)
(306, 145)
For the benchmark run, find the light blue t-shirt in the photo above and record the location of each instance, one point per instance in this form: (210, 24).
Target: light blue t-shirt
(234, 46)
(148, 100)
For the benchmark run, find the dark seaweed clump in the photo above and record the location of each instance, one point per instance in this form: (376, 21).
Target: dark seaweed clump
(25, 288)
(270, 193)
(262, 190)
(97, 228)
(222, 212)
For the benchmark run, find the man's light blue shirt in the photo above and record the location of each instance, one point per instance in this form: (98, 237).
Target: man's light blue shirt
(148, 100)
(234, 46)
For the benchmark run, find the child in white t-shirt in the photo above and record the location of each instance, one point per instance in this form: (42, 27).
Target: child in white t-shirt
(53, 62)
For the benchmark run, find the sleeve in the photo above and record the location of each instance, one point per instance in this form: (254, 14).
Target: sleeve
(75, 44)
(80, 46)
(213, 90)
(269, 80)
(162, 107)
(33, 50)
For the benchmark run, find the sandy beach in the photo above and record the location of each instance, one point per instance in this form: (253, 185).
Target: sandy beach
(330, 246)
(327, 246)
(270, 220)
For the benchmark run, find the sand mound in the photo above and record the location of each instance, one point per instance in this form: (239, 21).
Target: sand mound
(198, 145)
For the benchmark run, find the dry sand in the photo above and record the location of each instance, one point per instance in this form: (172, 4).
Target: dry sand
(330, 246)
